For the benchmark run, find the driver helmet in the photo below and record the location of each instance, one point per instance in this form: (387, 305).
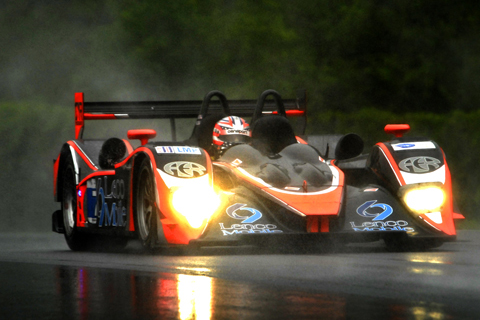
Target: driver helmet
(230, 131)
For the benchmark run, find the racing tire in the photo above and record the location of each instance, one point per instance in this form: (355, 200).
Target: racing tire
(111, 244)
(145, 205)
(76, 240)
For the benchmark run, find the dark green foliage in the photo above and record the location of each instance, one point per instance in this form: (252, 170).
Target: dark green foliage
(394, 55)
(364, 63)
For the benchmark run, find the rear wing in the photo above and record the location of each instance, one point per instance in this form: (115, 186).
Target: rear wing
(87, 110)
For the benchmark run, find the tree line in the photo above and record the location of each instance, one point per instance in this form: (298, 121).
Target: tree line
(391, 55)
(364, 63)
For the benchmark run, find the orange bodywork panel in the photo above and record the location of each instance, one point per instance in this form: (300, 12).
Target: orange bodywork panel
(176, 228)
(447, 225)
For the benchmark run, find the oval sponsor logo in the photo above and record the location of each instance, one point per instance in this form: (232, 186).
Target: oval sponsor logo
(184, 169)
(406, 145)
(419, 164)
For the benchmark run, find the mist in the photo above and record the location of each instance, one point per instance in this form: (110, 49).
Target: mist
(348, 57)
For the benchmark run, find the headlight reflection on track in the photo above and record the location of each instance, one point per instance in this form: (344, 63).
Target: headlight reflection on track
(426, 271)
(430, 258)
(194, 297)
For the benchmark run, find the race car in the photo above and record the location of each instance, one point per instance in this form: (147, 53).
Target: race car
(280, 187)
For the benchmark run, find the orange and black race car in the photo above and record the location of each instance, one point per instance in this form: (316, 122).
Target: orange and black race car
(281, 187)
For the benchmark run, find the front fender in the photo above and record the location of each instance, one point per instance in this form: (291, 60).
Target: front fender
(182, 168)
(406, 163)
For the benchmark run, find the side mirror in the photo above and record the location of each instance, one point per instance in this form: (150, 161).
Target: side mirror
(349, 146)
(142, 134)
(397, 129)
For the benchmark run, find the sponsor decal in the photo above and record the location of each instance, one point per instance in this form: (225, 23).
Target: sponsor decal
(106, 202)
(177, 150)
(377, 211)
(246, 226)
(248, 229)
(419, 164)
(292, 188)
(405, 145)
(236, 131)
(399, 225)
(413, 145)
(233, 209)
(184, 169)
(370, 190)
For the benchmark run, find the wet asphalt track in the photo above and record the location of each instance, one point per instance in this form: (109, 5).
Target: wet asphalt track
(41, 279)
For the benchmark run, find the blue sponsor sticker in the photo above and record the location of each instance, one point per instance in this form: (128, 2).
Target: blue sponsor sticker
(417, 145)
(405, 145)
(177, 150)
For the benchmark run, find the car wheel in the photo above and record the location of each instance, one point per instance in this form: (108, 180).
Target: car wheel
(76, 241)
(146, 213)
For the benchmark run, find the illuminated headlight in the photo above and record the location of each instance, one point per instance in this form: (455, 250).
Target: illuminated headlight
(195, 204)
(423, 198)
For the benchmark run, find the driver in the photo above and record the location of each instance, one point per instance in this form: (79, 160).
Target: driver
(229, 131)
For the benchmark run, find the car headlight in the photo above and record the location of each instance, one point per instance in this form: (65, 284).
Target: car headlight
(195, 204)
(424, 197)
